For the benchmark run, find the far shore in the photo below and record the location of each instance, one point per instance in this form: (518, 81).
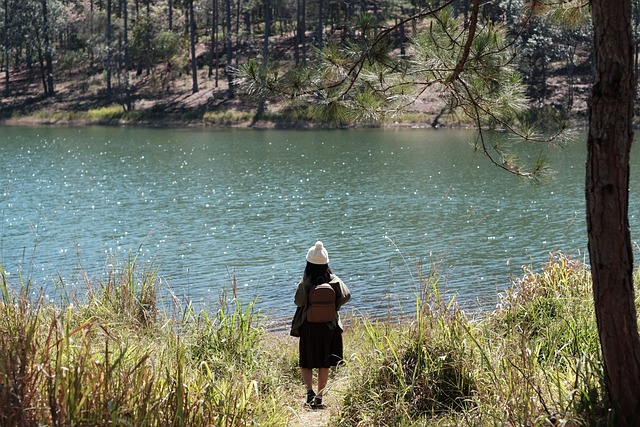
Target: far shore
(178, 107)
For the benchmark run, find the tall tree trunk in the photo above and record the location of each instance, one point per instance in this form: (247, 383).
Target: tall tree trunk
(607, 196)
(43, 71)
(237, 31)
(47, 51)
(148, 36)
(320, 27)
(228, 49)
(192, 39)
(301, 38)
(302, 27)
(265, 55)
(636, 22)
(296, 46)
(109, 42)
(6, 48)
(127, 87)
(267, 31)
(170, 15)
(214, 39)
(214, 27)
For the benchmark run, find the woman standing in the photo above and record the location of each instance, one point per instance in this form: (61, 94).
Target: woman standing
(320, 344)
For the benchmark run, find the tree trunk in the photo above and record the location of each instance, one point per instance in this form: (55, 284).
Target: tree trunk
(265, 55)
(214, 39)
(237, 32)
(127, 87)
(6, 49)
(212, 49)
(607, 196)
(109, 42)
(303, 33)
(192, 39)
(43, 72)
(47, 51)
(228, 49)
(267, 31)
(296, 47)
(320, 27)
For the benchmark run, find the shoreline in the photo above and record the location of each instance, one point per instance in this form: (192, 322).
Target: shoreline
(29, 121)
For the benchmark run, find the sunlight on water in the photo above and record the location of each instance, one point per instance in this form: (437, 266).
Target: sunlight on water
(208, 206)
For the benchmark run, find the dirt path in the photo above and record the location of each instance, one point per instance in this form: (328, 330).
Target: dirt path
(307, 417)
(303, 416)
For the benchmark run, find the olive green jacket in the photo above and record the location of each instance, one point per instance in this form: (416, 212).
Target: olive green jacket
(301, 299)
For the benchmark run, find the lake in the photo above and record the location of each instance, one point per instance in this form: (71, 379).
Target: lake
(206, 206)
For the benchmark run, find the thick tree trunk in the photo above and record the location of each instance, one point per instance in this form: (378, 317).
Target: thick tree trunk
(607, 196)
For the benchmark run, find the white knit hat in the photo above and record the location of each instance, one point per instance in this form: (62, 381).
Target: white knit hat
(317, 254)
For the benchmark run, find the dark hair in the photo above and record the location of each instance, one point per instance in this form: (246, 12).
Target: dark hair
(317, 273)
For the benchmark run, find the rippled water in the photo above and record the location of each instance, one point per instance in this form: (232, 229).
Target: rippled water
(204, 206)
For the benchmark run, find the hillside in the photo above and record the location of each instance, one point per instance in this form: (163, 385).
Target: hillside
(164, 98)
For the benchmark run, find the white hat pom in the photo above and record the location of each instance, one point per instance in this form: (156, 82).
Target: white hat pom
(317, 254)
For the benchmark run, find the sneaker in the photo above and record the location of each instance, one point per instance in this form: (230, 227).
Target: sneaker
(310, 397)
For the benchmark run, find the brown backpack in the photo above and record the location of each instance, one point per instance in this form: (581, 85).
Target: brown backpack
(322, 304)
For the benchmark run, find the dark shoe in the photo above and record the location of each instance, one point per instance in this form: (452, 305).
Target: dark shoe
(310, 397)
(317, 403)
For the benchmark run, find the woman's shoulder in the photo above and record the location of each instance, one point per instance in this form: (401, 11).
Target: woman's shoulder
(335, 279)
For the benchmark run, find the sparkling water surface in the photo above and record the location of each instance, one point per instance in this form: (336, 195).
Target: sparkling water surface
(208, 208)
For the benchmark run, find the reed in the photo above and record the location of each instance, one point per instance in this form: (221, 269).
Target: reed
(114, 358)
(534, 360)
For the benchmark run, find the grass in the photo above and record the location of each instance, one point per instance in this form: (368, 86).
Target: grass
(533, 361)
(117, 358)
(110, 113)
(114, 360)
(227, 117)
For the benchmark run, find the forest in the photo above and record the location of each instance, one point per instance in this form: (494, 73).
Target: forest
(195, 60)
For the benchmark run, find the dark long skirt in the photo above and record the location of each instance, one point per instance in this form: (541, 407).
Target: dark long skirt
(320, 346)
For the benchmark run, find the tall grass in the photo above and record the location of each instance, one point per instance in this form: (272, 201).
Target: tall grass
(533, 361)
(114, 358)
